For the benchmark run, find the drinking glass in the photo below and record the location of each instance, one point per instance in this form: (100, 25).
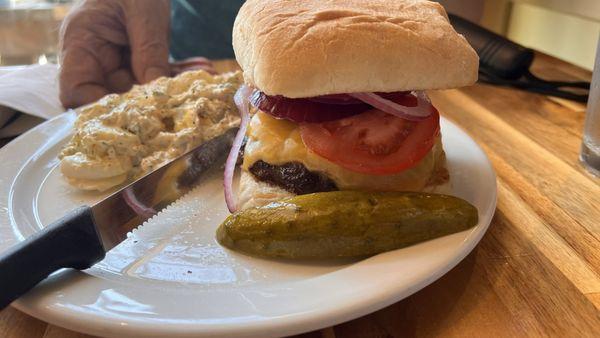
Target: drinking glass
(590, 148)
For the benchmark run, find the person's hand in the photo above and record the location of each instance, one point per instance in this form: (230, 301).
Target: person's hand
(108, 45)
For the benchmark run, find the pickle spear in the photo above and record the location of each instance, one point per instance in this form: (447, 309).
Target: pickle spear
(344, 224)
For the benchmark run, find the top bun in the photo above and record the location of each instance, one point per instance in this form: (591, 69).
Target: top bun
(304, 48)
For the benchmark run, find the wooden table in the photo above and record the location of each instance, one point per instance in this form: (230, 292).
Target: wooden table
(536, 271)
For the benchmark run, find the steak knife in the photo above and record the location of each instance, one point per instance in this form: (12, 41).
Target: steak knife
(84, 236)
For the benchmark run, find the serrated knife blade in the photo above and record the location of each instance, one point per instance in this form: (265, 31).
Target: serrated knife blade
(83, 237)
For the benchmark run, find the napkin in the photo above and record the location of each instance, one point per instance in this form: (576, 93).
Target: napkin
(28, 96)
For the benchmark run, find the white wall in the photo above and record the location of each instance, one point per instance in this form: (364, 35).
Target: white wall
(567, 36)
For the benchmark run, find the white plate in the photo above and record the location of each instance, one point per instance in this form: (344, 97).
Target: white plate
(171, 278)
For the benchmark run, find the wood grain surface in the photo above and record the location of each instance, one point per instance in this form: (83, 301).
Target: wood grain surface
(536, 271)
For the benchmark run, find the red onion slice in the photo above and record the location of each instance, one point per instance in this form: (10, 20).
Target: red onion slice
(137, 206)
(194, 63)
(304, 110)
(210, 70)
(242, 103)
(421, 111)
(342, 99)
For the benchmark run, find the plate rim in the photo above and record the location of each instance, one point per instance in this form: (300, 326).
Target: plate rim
(101, 324)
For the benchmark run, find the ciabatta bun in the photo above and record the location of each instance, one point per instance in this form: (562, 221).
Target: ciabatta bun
(304, 48)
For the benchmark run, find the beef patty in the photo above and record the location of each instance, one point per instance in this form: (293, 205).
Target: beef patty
(293, 177)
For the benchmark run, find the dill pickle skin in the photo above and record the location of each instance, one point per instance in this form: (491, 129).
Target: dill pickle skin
(344, 224)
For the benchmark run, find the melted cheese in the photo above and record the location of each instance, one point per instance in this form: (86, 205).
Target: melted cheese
(278, 141)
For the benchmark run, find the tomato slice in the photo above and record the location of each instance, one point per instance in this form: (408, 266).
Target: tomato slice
(372, 142)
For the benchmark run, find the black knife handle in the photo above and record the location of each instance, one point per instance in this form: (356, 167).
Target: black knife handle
(70, 242)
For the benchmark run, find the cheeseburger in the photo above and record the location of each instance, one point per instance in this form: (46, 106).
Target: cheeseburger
(335, 96)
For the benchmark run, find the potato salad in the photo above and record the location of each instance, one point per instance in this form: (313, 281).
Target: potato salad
(122, 137)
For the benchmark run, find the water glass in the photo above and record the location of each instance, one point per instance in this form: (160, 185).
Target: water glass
(590, 149)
